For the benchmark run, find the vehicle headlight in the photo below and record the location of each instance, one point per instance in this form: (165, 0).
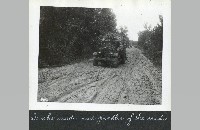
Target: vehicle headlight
(115, 54)
(95, 53)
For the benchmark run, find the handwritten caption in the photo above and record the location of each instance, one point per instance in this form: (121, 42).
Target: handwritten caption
(98, 119)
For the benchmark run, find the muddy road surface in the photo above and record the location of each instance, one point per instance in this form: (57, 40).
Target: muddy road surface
(135, 82)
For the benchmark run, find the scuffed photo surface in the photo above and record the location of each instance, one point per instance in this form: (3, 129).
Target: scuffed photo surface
(67, 69)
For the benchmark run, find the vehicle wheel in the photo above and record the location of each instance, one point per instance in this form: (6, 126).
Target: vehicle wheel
(103, 63)
(95, 63)
(123, 60)
(115, 64)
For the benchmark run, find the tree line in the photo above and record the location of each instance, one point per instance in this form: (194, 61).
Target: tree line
(150, 41)
(68, 34)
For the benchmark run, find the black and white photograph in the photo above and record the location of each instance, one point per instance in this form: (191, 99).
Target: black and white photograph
(102, 55)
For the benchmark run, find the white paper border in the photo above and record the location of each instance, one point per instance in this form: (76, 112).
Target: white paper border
(34, 15)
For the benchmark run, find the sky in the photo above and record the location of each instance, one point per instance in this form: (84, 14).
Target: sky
(135, 15)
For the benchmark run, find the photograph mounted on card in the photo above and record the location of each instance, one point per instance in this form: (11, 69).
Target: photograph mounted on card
(100, 55)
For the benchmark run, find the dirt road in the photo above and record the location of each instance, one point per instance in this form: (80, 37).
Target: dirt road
(135, 82)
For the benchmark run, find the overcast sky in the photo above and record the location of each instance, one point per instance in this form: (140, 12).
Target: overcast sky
(135, 15)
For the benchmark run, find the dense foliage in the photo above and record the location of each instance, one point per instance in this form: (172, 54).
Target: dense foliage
(123, 32)
(68, 34)
(150, 41)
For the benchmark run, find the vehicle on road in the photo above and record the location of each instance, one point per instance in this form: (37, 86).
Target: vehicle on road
(111, 53)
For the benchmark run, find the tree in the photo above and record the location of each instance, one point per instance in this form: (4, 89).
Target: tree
(151, 42)
(67, 34)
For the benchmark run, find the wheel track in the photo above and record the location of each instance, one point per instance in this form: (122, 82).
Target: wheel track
(85, 83)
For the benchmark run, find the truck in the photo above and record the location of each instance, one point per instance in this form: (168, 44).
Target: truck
(112, 52)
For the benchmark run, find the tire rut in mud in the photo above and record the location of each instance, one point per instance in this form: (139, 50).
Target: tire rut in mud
(135, 82)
